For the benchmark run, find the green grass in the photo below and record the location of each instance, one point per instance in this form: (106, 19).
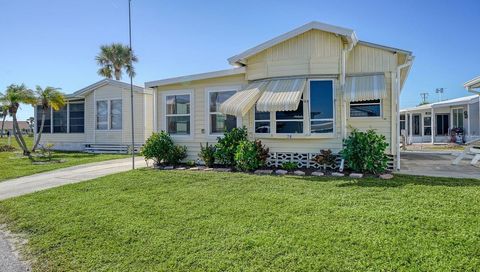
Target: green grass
(14, 165)
(147, 220)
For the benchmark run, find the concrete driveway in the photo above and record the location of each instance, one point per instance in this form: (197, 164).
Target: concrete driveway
(74, 174)
(436, 164)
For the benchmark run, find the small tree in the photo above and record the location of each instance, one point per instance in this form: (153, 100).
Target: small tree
(13, 97)
(114, 58)
(365, 151)
(227, 145)
(49, 97)
(3, 115)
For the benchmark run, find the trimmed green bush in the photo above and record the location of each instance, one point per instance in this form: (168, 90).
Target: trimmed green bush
(289, 166)
(161, 149)
(365, 152)
(227, 146)
(207, 154)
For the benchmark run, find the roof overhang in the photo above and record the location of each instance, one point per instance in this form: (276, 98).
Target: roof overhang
(447, 103)
(181, 79)
(473, 84)
(346, 33)
(104, 82)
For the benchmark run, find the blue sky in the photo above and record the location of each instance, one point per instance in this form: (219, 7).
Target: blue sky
(54, 42)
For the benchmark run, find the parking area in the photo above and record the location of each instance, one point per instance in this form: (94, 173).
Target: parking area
(436, 165)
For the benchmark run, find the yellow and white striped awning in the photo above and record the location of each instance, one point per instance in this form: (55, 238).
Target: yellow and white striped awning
(363, 88)
(282, 95)
(241, 102)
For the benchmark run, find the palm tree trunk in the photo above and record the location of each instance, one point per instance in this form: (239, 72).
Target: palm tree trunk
(19, 137)
(3, 125)
(118, 74)
(40, 132)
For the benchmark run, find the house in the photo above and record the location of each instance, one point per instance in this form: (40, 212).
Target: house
(298, 93)
(97, 118)
(434, 123)
(23, 125)
(473, 85)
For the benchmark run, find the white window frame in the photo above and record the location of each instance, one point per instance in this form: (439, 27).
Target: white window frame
(452, 124)
(380, 102)
(425, 115)
(110, 114)
(306, 117)
(109, 117)
(189, 92)
(404, 122)
(217, 89)
(270, 120)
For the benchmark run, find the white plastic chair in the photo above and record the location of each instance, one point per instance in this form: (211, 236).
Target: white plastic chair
(472, 148)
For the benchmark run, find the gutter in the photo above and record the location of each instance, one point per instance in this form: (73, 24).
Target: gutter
(342, 84)
(408, 64)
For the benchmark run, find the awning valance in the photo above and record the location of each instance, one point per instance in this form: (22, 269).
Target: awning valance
(242, 101)
(282, 95)
(362, 88)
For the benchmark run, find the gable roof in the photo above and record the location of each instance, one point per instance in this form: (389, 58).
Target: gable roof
(472, 84)
(348, 34)
(173, 80)
(104, 82)
(446, 103)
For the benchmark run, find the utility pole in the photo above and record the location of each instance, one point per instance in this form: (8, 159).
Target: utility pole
(424, 98)
(131, 82)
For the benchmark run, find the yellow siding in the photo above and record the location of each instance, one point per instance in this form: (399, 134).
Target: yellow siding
(62, 138)
(365, 59)
(313, 52)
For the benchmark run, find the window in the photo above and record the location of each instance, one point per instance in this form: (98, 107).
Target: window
(427, 125)
(262, 121)
(102, 115)
(370, 108)
(457, 115)
(416, 124)
(178, 114)
(77, 118)
(116, 114)
(402, 123)
(321, 106)
(442, 124)
(46, 125)
(60, 120)
(290, 121)
(219, 123)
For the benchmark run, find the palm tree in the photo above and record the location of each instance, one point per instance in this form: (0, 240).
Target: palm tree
(3, 115)
(14, 95)
(114, 58)
(49, 97)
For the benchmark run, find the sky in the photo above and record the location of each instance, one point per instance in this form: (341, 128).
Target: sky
(54, 42)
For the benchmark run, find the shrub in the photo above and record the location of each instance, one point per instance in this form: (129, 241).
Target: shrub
(326, 158)
(6, 148)
(160, 148)
(191, 163)
(246, 157)
(227, 146)
(365, 152)
(46, 151)
(289, 166)
(262, 151)
(207, 154)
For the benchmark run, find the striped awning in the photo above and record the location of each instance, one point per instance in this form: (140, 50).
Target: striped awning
(362, 88)
(282, 95)
(241, 102)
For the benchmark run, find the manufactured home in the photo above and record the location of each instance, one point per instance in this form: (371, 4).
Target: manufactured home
(438, 122)
(298, 93)
(97, 118)
(473, 85)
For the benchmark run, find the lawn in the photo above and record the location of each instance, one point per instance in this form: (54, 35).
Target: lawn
(150, 220)
(14, 165)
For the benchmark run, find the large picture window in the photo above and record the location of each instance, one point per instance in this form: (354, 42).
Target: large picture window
(60, 120)
(77, 117)
(116, 114)
(178, 114)
(457, 118)
(47, 124)
(102, 115)
(290, 121)
(219, 123)
(442, 124)
(370, 108)
(321, 106)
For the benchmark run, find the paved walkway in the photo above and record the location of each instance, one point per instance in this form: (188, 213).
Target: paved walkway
(436, 164)
(9, 261)
(74, 174)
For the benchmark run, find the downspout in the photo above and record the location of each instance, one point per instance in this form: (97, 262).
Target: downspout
(399, 68)
(342, 84)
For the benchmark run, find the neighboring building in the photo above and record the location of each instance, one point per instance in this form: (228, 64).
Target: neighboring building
(473, 85)
(300, 92)
(433, 123)
(24, 127)
(97, 118)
